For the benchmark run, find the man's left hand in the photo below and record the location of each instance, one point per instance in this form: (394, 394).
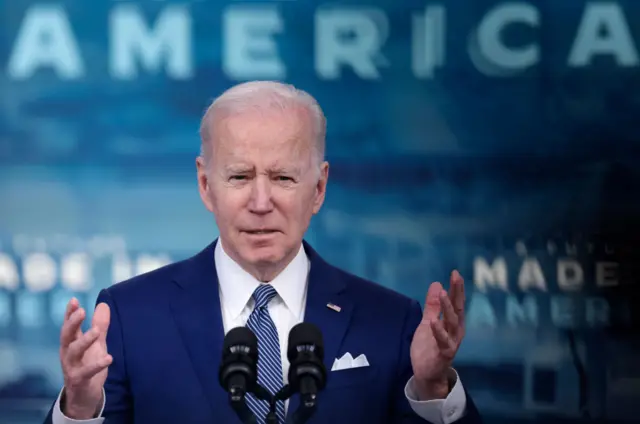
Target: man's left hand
(436, 340)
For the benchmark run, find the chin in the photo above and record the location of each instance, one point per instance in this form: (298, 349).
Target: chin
(265, 255)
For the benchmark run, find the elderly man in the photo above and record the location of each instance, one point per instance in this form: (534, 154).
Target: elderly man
(153, 350)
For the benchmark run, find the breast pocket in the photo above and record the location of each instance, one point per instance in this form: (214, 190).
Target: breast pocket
(351, 377)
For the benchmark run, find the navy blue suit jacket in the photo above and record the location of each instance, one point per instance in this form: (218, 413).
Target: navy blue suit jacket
(166, 336)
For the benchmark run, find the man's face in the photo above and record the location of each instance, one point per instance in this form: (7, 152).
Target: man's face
(262, 185)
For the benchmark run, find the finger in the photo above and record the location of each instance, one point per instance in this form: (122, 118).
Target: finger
(76, 350)
(457, 291)
(101, 319)
(88, 371)
(71, 328)
(442, 338)
(450, 317)
(72, 305)
(432, 307)
(458, 296)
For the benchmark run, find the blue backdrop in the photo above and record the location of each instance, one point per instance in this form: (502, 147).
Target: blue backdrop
(499, 138)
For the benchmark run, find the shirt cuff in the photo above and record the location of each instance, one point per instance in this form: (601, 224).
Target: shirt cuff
(57, 417)
(439, 411)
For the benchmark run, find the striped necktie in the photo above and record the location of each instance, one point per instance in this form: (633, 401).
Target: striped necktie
(269, 359)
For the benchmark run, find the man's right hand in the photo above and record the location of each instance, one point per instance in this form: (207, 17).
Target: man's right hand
(84, 360)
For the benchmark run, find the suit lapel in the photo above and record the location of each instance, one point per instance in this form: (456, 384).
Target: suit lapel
(326, 287)
(197, 313)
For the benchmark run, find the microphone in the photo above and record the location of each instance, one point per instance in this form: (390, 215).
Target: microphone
(307, 373)
(239, 368)
(238, 372)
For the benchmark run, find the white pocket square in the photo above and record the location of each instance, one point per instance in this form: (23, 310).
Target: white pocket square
(347, 362)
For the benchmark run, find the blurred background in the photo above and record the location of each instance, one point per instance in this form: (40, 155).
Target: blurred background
(501, 138)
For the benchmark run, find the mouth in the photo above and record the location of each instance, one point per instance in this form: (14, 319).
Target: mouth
(260, 232)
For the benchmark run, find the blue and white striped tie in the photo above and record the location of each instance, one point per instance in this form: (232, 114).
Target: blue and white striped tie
(269, 360)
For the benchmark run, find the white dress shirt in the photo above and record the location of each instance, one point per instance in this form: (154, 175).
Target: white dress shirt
(287, 309)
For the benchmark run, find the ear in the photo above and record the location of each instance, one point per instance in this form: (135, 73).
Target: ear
(204, 186)
(321, 187)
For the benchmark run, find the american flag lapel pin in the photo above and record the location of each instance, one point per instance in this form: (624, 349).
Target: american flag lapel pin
(334, 307)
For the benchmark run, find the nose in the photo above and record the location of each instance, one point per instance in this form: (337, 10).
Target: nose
(261, 201)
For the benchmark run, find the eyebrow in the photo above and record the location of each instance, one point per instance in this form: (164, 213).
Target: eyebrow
(237, 168)
(241, 168)
(286, 170)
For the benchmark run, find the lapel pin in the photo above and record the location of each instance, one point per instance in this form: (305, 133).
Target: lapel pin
(334, 307)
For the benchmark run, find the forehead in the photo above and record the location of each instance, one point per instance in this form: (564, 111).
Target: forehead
(264, 136)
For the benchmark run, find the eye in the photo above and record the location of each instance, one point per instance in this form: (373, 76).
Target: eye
(284, 178)
(238, 177)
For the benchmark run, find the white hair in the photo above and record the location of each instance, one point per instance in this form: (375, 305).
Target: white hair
(263, 95)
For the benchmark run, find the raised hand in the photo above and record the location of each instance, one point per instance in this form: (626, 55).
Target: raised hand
(84, 360)
(436, 341)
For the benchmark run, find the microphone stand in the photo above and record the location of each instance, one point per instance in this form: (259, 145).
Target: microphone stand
(305, 410)
(239, 405)
(283, 394)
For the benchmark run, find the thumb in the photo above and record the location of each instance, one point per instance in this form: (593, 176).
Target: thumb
(432, 306)
(101, 319)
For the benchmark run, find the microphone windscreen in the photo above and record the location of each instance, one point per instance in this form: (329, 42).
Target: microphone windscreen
(240, 337)
(305, 336)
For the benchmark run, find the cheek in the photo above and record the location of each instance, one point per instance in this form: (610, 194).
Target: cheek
(297, 207)
(227, 203)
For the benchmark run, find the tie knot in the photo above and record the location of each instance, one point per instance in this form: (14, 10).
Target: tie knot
(263, 295)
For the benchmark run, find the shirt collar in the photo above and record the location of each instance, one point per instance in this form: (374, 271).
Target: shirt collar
(237, 285)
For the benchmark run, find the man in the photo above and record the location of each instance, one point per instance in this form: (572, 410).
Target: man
(153, 351)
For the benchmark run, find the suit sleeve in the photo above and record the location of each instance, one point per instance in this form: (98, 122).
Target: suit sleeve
(406, 409)
(118, 406)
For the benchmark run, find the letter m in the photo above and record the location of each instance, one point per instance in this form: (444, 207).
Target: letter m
(494, 275)
(168, 41)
